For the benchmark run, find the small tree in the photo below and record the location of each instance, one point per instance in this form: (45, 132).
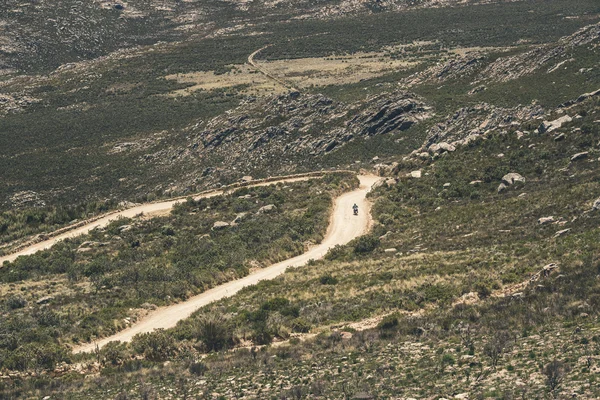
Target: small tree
(214, 333)
(555, 372)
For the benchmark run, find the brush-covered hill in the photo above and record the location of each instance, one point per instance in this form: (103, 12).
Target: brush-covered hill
(479, 278)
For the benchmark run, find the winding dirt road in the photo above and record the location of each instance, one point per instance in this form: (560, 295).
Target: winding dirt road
(147, 209)
(343, 228)
(265, 72)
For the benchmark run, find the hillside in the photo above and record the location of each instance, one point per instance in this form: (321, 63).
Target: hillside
(478, 278)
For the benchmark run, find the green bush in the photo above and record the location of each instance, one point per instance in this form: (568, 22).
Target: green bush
(328, 280)
(365, 244)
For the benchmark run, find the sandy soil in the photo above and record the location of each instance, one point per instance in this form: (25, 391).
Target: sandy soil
(343, 228)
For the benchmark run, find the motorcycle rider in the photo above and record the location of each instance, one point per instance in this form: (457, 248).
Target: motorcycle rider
(355, 209)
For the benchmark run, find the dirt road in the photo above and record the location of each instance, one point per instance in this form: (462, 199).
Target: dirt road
(343, 228)
(265, 72)
(147, 209)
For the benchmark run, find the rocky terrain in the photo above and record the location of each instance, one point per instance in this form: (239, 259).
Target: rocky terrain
(477, 280)
(288, 131)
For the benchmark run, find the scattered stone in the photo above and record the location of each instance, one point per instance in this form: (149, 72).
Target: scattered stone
(124, 228)
(239, 218)
(45, 300)
(267, 209)
(546, 220)
(385, 236)
(562, 232)
(519, 135)
(579, 156)
(511, 178)
(390, 182)
(220, 225)
(547, 127)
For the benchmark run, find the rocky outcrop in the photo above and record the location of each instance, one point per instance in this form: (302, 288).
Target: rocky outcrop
(512, 178)
(547, 127)
(283, 133)
(470, 123)
(267, 209)
(579, 156)
(218, 225)
(548, 57)
(385, 114)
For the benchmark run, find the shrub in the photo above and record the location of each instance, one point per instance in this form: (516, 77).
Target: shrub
(328, 280)
(155, 346)
(214, 333)
(389, 322)
(365, 244)
(15, 302)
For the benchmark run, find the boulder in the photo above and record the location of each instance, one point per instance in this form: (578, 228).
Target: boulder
(579, 156)
(511, 178)
(391, 250)
(267, 209)
(415, 174)
(547, 127)
(447, 147)
(220, 225)
(475, 182)
(502, 187)
(45, 300)
(596, 205)
(239, 218)
(559, 137)
(246, 178)
(562, 232)
(546, 220)
(443, 147)
(124, 228)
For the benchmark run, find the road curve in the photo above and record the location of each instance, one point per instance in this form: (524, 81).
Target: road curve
(343, 228)
(149, 208)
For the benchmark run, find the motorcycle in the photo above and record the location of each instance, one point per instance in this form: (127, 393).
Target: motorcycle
(356, 211)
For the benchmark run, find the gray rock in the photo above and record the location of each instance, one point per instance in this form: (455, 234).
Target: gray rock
(579, 156)
(220, 225)
(546, 220)
(560, 233)
(239, 218)
(512, 178)
(267, 209)
(125, 228)
(45, 300)
(547, 127)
